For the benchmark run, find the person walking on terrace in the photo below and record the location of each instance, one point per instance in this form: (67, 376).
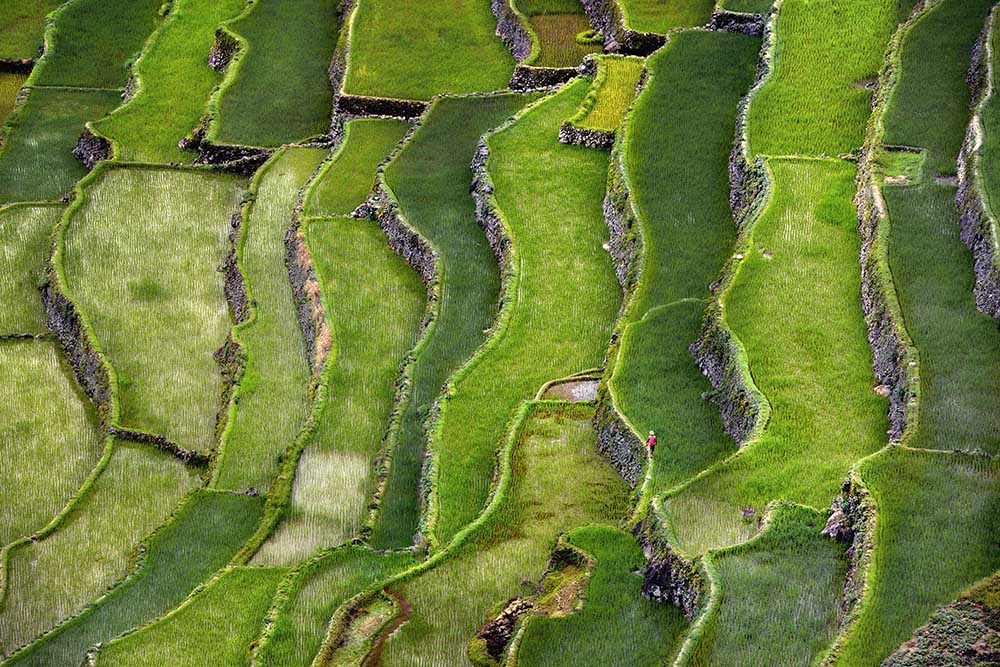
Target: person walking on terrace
(651, 442)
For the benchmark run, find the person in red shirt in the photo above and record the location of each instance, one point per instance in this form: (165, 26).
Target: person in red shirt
(651, 442)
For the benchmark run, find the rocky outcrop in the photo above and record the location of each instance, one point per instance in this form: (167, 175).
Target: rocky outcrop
(496, 634)
(671, 579)
(747, 24)
(606, 17)
(961, 634)
(585, 136)
(382, 107)
(619, 444)
(530, 77)
(512, 30)
(223, 50)
(235, 288)
(979, 225)
(91, 149)
(241, 160)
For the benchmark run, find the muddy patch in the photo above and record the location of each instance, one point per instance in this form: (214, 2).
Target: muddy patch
(576, 391)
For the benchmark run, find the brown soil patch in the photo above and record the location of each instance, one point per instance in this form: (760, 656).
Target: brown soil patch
(576, 391)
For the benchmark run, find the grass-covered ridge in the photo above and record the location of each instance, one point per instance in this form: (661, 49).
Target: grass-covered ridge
(415, 51)
(561, 298)
(271, 402)
(173, 82)
(430, 179)
(277, 88)
(139, 251)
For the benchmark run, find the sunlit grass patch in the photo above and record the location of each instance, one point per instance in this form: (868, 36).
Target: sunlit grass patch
(94, 544)
(36, 159)
(10, 86)
(175, 83)
(815, 101)
(273, 394)
(430, 178)
(795, 306)
(374, 303)
(220, 621)
(92, 42)
(141, 256)
(563, 297)
(408, 50)
(280, 87)
(49, 436)
(559, 482)
(201, 538)
(611, 93)
(616, 627)
(21, 26)
(936, 534)
(347, 179)
(780, 595)
(300, 629)
(25, 240)
(660, 16)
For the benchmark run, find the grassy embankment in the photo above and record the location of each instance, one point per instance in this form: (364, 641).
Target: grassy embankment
(414, 51)
(153, 239)
(430, 178)
(561, 295)
(616, 626)
(936, 530)
(556, 25)
(557, 482)
(277, 90)
(90, 545)
(201, 538)
(271, 402)
(678, 175)
(174, 84)
(610, 94)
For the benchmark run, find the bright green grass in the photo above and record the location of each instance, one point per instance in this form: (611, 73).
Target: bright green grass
(176, 82)
(430, 178)
(94, 41)
(612, 92)
(815, 102)
(936, 534)
(200, 539)
(795, 305)
(559, 482)
(929, 106)
(616, 627)
(49, 436)
(989, 162)
(536, 7)
(959, 346)
(409, 50)
(563, 298)
(780, 595)
(134, 494)
(273, 395)
(281, 91)
(660, 16)
(557, 37)
(300, 629)
(10, 86)
(374, 303)
(347, 179)
(37, 161)
(746, 6)
(25, 238)
(217, 624)
(141, 257)
(21, 26)
(678, 172)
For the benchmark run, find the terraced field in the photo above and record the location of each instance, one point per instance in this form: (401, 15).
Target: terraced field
(498, 333)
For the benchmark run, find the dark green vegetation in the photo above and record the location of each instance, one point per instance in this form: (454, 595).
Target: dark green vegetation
(430, 179)
(36, 160)
(201, 538)
(346, 180)
(615, 627)
(779, 594)
(25, 235)
(174, 83)
(556, 481)
(414, 51)
(562, 298)
(21, 26)
(278, 89)
(678, 175)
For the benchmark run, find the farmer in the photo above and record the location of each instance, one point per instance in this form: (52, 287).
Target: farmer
(651, 442)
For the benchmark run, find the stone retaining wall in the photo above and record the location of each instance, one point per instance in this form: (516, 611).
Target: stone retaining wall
(91, 149)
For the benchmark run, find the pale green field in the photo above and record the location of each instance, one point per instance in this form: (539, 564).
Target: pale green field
(25, 243)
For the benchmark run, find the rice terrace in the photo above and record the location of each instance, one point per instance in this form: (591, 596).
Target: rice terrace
(499, 333)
